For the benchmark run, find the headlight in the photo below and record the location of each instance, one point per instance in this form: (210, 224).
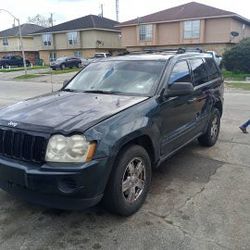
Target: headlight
(69, 149)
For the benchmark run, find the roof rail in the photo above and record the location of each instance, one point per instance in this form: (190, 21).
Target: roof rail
(159, 50)
(154, 50)
(185, 50)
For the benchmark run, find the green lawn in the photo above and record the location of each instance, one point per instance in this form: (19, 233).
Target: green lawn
(235, 76)
(22, 68)
(28, 76)
(238, 85)
(59, 71)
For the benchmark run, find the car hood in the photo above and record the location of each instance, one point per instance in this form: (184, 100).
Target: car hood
(64, 111)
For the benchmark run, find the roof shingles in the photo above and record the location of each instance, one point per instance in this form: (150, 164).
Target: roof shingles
(86, 22)
(186, 11)
(26, 29)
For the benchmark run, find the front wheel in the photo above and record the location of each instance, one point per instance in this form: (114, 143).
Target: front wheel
(129, 182)
(211, 135)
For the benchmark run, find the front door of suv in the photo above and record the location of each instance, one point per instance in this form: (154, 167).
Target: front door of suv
(177, 114)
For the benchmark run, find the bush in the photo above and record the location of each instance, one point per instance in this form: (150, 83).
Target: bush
(237, 59)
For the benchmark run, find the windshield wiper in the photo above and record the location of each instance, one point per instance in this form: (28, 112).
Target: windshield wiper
(69, 90)
(98, 91)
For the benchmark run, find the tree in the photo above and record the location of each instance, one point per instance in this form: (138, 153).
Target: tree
(40, 20)
(238, 58)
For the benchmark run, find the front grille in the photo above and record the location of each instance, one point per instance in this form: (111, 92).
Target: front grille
(22, 146)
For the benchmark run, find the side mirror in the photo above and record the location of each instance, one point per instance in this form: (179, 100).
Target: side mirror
(179, 89)
(65, 82)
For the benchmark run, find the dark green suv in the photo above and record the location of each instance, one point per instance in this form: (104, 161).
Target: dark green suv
(98, 138)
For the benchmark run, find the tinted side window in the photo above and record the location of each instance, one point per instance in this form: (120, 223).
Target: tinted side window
(213, 71)
(199, 71)
(180, 73)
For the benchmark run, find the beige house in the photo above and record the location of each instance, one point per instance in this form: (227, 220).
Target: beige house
(188, 25)
(82, 37)
(10, 41)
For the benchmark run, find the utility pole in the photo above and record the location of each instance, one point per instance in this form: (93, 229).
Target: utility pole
(20, 37)
(51, 20)
(101, 10)
(21, 43)
(117, 10)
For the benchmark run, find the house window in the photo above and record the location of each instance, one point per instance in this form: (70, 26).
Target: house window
(146, 32)
(47, 39)
(5, 41)
(191, 29)
(72, 38)
(52, 56)
(77, 53)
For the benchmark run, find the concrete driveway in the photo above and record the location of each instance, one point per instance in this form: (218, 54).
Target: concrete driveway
(199, 199)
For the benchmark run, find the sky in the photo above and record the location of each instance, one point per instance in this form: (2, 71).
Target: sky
(65, 10)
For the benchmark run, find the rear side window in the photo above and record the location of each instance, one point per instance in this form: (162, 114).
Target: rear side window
(199, 71)
(212, 69)
(180, 73)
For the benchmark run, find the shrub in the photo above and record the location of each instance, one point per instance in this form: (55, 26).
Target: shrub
(237, 59)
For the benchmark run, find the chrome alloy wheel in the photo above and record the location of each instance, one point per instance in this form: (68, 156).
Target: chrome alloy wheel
(215, 128)
(133, 180)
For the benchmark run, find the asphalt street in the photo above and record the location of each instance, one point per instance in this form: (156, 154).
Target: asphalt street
(199, 199)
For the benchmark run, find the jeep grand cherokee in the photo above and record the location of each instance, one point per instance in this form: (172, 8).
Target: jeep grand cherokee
(98, 138)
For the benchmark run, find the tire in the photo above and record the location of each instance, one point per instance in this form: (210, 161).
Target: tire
(62, 67)
(129, 201)
(211, 135)
(79, 65)
(6, 65)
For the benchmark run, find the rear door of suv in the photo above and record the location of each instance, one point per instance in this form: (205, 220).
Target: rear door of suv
(201, 86)
(205, 78)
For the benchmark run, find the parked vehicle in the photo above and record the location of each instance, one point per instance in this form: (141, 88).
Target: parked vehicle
(84, 61)
(66, 62)
(99, 137)
(217, 58)
(10, 61)
(96, 57)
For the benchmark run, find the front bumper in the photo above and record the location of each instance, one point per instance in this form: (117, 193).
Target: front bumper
(60, 186)
(56, 66)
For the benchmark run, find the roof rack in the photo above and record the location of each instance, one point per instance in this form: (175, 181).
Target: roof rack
(185, 50)
(158, 50)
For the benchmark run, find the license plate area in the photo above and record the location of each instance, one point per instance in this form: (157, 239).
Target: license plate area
(12, 175)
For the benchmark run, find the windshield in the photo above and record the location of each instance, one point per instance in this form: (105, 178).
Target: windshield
(124, 77)
(61, 59)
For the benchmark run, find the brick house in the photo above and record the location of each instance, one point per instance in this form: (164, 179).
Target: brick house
(81, 37)
(192, 24)
(10, 41)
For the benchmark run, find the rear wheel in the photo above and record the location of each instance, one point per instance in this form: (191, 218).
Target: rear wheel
(79, 65)
(63, 66)
(129, 182)
(211, 135)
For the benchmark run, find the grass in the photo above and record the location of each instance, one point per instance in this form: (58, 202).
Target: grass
(28, 76)
(22, 68)
(239, 85)
(59, 71)
(235, 76)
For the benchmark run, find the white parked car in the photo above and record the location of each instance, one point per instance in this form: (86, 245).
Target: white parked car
(216, 57)
(96, 57)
